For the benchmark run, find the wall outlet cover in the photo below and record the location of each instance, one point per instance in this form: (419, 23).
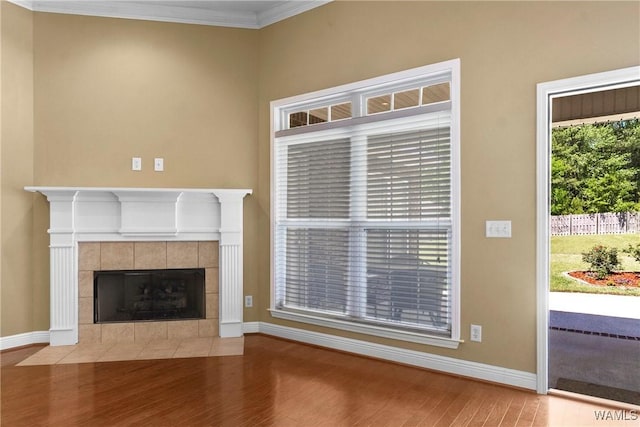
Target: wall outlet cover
(476, 333)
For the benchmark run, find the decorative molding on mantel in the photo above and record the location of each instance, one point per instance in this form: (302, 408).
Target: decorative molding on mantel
(114, 213)
(101, 214)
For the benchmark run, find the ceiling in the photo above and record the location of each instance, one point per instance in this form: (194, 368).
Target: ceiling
(597, 107)
(237, 13)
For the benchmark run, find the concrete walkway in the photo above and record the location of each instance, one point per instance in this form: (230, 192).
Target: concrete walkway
(597, 354)
(594, 324)
(594, 359)
(602, 305)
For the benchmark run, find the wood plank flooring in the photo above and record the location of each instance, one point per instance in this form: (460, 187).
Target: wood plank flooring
(275, 383)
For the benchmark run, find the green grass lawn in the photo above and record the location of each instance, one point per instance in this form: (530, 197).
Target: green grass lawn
(566, 255)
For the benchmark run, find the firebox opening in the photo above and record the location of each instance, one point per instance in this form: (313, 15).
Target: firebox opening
(147, 295)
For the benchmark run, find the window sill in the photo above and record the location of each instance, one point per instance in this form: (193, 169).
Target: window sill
(368, 329)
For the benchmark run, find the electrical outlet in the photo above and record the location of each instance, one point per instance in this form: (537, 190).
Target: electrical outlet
(158, 164)
(248, 301)
(136, 163)
(476, 333)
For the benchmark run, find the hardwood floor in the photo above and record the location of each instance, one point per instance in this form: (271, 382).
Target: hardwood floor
(278, 383)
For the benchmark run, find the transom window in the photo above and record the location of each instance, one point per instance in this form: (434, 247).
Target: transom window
(408, 98)
(323, 114)
(365, 219)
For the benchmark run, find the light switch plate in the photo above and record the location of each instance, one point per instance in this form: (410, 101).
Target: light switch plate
(158, 164)
(500, 229)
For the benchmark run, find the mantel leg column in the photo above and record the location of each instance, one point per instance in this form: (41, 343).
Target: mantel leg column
(64, 291)
(231, 285)
(63, 328)
(231, 290)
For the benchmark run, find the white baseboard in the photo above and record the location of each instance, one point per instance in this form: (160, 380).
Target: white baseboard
(28, 338)
(450, 365)
(251, 327)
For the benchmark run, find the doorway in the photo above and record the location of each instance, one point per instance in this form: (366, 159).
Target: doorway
(547, 93)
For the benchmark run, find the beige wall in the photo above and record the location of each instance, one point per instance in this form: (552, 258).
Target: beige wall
(109, 89)
(90, 93)
(18, 290)
(505, 48)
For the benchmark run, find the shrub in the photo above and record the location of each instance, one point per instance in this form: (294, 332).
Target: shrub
(634, 251)
(603, 261)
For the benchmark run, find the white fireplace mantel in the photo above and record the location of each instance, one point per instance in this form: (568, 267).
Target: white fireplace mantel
(94, 214)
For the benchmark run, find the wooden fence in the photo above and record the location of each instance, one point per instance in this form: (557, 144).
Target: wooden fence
(603, 223)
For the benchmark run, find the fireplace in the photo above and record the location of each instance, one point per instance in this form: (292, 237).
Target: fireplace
(142, 263)
(148, 295)
(99, 228)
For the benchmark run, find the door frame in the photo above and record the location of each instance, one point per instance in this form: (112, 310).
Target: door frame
(546, 92)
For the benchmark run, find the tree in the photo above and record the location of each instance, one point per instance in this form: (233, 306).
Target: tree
(628, 135)
(596, 168)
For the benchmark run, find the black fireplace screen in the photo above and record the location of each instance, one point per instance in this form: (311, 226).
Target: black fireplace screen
(131, 295)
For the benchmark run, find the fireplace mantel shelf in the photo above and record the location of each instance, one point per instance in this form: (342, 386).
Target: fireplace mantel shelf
(98, 214)
(60, 190)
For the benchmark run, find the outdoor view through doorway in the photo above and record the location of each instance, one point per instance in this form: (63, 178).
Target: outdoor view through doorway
(594, 260)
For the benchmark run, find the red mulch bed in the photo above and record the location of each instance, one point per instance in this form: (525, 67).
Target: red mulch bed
(624, 279)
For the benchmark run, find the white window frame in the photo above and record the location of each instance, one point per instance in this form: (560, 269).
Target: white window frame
(279, 121)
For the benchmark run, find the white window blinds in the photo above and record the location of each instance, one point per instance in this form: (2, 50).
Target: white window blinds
(364, 216)
(363, 226)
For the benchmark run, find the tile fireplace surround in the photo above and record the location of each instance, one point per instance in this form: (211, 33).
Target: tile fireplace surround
(140, 228)
(95, 256)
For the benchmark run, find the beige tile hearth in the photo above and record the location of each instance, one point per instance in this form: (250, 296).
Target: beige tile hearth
(123, 351)
(163, 349)
(200, 347)
(86, 353)
(227, 346)
(117, 332)
(49, 355)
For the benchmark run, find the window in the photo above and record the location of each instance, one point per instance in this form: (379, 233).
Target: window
(365, 219)
(327, 113)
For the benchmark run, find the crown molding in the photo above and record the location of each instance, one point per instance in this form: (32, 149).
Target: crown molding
(287, 10)
(171, 13)
(27, 4)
